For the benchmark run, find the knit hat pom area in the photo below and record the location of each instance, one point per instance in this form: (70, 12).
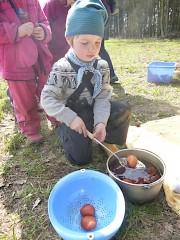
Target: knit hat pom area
(86, 17)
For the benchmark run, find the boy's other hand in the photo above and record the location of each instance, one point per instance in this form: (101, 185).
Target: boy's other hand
(26, 29)
(100, 132)
(79, 126)
(70, 2)
(39, 33)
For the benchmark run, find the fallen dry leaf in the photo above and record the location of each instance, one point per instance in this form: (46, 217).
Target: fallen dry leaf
(20, 182)
(38, 200)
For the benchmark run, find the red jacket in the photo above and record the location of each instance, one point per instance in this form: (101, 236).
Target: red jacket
(56, 14)
(9, 23)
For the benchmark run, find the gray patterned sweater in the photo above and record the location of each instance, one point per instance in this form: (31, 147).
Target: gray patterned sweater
(62, 83)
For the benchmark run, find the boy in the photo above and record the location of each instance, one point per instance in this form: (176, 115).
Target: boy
(78, 92)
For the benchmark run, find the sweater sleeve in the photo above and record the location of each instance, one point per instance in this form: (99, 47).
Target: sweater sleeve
(55, 94)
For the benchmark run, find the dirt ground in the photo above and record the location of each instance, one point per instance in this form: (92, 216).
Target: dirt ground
(164, 225)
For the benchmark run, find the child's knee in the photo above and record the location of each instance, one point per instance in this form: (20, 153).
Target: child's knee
(79, 159)
(120, 113)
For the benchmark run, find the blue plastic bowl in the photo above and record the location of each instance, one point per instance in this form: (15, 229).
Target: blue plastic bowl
(82, 187)
(160, 72)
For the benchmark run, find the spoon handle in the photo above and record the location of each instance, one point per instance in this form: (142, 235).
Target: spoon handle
(122, 161)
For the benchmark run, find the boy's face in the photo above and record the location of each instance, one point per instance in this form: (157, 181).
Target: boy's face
(86, 46)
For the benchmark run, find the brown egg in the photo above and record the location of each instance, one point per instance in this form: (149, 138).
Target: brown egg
(127, 180)
(132, 161)
(88, 223)
(87, 209)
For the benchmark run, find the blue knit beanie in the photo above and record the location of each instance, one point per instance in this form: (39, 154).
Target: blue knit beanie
(86, 17)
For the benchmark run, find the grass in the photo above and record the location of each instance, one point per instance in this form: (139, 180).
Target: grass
(28, 173)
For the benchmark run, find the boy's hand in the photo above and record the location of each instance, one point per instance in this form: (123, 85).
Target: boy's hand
(25, 29)
(79, 126)
(100, 132)
(39, 33)
(70, 2)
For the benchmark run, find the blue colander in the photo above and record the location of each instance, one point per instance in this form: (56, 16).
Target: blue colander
(82, 187)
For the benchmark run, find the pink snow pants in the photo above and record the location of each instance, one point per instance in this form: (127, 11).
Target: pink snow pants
(25, 95)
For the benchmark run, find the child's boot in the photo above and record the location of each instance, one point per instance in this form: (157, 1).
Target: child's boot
(111, 147)
(35, 138)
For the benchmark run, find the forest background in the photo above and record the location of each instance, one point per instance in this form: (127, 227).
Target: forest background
(145, 19)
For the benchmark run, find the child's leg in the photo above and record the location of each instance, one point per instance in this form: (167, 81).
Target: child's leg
(77, 148)
(105, 55)
(9, 95)
(25, 107)
(118, 123)
(42, 78)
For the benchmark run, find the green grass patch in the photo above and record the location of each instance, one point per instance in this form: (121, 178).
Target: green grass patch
(29, 172)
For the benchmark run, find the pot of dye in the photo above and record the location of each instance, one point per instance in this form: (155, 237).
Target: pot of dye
(138, 193)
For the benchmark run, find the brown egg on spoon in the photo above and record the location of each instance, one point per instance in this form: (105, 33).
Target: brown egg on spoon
(88, 223)
(132, 161)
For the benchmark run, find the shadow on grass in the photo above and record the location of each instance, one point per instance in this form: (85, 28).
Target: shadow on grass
(145, 109)
(174, 83)
(31, 171)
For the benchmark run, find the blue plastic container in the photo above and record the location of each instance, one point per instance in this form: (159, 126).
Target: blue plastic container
(160, 72)
(82, 187)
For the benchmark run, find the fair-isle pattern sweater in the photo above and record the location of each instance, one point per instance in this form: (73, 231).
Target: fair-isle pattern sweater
(62, 83)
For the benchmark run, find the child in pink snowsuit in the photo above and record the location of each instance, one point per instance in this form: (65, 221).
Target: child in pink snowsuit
(56, 13)
(25, 60)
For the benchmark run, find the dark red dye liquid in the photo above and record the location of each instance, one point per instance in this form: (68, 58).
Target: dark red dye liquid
(145, 175)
